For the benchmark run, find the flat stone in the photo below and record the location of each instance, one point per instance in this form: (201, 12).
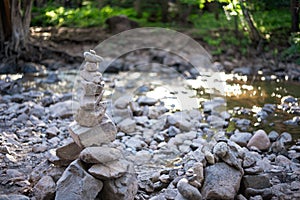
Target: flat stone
(52, 131)
(259, 181)
(90, 118)
(221, 182)
(77, 184)
(45, 188)
(90, 57)
(96, 155)
(113, 169)
(90, 66)
(260, 140)
(127, 125)
(144, 100)
(122, 102)
(123, 188)
(103, 133)
(63, 109)
(91, 89)
(95, 77)
(68, 152)
(241, 138)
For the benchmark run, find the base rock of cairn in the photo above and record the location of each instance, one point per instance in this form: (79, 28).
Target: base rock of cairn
(98, 170)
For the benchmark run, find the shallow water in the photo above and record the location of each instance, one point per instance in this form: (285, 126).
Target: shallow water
(240, 91)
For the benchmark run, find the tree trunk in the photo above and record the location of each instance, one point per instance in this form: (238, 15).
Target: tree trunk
(15, 34)
(138, 8)
(164, 10)
(253, 32)
(295, 15)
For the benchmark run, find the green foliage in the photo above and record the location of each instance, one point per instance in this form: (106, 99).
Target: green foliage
(293, 52)
(86, 16)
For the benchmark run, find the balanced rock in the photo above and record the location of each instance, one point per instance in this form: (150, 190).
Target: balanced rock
(110, 170)
(92, 57)
(123, 188)
(77, 184)
(90, 118)
(102, 154)
(91, 88)
(221, 182)
(103, 133)
(260, 140)
(90, 66)
(68, 152)
(95, 77)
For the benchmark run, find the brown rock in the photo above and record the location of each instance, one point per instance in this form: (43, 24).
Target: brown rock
(68, 152)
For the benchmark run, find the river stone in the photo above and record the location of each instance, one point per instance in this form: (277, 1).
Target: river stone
(77, 184)
(113, 169)
(91, 57)
(123, 188)
(101, 154)
(122, 102)
(273, 135)
(95, 77)
(91, 88)
(14, 197)
(68, 152)
(127, 125)
(221, 182)
(89, 118)
(285, 138)
(91, 67)
(188, 191)
(260, 140)
(63, 109)
(95, 136)
(45, 188)
(144, 100)
(259, 181)
(241, 138)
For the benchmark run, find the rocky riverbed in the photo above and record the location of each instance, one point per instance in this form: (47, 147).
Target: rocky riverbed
(203, 147)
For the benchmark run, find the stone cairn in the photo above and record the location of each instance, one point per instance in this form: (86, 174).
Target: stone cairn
(97, 169)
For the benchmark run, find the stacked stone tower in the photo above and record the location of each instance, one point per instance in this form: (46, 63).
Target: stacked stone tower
(100, 170)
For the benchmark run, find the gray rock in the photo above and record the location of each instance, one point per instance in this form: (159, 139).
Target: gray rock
(122, 102)
(288, 99)
(91, 57)
(283, 161)
(285, 138)
(144, 100)
(273, 135)
(64, 109)
(188, 191)
(77, 184)
(110, 170)
(95, 136)
(241, 138)
(260, 140)
(123, 188)
(127, 125)
(259, 181)
(102, 154)
(221, 182)
(52, 131)
(45, 188)
(14, 197)
(91, 67)
(172, 131)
